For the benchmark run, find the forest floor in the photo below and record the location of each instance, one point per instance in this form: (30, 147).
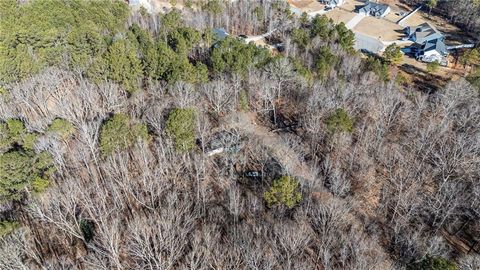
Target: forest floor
(246, 123)
(285, 155)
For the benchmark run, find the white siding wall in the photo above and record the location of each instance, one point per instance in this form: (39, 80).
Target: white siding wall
(386, 12)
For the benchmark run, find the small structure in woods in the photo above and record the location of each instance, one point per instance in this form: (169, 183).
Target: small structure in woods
(219, 34)
(226, 141)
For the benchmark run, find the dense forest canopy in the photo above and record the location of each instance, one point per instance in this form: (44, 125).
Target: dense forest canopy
(45, 33)
(131, 140)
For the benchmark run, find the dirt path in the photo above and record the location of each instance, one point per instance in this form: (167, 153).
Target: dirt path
(290, 161)
(245, 123)
(259, 37)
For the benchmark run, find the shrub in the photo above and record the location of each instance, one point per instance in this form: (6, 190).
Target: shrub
(119, 133)
(214, 7)
(7, 226)
(340, 121)
(433, 263)
(471, 57)
(475, 80)
(321, 26)
(234, 56)
(259, 13)
(61, 127)
(301, 37)
(401, 79)
(4, 137)
(378, 67)
(87, 229)
(345, 37)
(16, 130)
(393, 54)
(21, 170)
(39, 184)
(326, 60)
(433, 67)
(62, 29)
(12, 132)
(181, 127)
(124, 66)
(301, 69)
(243, 101)
(284, 191)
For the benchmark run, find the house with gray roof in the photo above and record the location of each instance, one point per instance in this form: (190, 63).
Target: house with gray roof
(219, 34)
(375, 9)
(332, 3)
(429, 43)
(423, 33)
(430, 51)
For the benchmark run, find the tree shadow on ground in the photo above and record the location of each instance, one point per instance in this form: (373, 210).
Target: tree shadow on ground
(424, 81)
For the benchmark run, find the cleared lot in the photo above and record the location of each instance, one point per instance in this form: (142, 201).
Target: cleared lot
(381, 29)
(415, 20)
(300, 3)
(307, 5)
(351, 5)
(338, 15)
(394, 16)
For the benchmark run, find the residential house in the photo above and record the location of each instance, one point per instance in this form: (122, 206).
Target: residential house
(423, 33)
(430, 51)
(332, 3)
(375, 9)
(429, 43)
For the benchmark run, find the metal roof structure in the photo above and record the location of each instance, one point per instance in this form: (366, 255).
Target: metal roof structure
(220, 34)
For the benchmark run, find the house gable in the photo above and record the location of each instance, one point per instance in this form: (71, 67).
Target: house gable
(375, 9)
(423, 33)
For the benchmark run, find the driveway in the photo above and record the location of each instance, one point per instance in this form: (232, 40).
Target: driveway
(355, 20)
(368, 43)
